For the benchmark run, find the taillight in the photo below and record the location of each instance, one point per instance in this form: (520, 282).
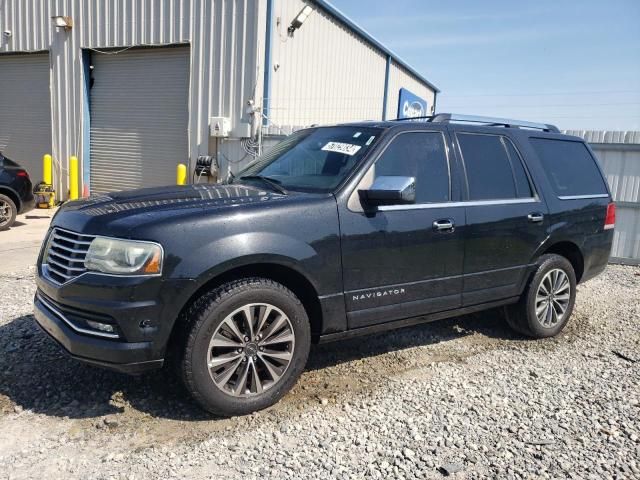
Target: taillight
(23, 174)
(610, 219)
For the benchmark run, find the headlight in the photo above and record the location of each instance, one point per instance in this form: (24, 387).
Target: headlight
(124, 257)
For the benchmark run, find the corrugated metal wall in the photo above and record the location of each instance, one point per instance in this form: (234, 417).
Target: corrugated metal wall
(25, 110)
(226, 39)
(139, 118)
(619, 155)
(325, 74)
(401, 78)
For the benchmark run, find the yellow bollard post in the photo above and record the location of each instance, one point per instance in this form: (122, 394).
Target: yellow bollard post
(73, 178)
(47, 169)
(181, 174)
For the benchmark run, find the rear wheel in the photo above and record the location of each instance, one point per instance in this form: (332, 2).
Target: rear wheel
(8, 212)
(547, 302)
(247, 343)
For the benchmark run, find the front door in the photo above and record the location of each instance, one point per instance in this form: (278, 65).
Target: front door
(401, 261)
(505, 218)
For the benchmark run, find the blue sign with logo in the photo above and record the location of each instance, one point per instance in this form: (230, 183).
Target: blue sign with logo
(410, 105)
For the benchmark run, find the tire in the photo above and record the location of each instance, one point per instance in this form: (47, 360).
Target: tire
(523, 316)
(8, 212)
(216, 333)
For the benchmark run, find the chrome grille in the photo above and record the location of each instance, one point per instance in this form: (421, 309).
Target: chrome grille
(65, 252)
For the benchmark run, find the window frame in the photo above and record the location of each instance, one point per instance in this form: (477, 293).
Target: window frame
(383, 208)
(497, 201)
(532, 186)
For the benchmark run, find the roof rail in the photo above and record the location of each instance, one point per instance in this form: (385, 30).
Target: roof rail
(491, 121)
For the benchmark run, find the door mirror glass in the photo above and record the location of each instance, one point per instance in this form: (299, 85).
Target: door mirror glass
(389, 190)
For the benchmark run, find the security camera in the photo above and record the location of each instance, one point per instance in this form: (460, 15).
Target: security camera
(7, 33)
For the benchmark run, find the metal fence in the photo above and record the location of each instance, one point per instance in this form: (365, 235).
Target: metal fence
(619, 155)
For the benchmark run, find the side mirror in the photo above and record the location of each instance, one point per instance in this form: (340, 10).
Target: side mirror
(389, 190)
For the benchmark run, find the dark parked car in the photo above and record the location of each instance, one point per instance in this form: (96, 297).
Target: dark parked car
(337, 231)
(16, 192)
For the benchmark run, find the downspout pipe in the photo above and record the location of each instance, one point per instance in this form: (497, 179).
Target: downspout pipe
(386, 88)
(268, 44)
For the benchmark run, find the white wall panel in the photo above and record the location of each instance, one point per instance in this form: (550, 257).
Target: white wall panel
(326, 73)
(29, 23)
(401, 78)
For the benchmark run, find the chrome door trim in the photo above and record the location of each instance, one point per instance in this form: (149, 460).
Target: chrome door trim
(470, 203)
(583, 197)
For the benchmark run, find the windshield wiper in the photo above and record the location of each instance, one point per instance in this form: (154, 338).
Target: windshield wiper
(273, 183)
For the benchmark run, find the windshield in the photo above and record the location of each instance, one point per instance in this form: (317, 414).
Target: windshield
(315, 159)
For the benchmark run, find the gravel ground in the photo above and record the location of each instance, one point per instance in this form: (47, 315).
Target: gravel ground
(464, 398)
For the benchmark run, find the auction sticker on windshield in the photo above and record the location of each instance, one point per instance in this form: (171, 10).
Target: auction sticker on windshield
(339, 147)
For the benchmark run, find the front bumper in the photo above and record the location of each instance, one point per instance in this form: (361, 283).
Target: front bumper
(127, 357)
(142, 310)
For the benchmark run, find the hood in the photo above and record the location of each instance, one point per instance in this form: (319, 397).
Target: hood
(170, 198)
(123, 210)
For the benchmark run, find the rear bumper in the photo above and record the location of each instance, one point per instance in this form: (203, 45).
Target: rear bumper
(597, 249)
(27, 204)
(126, 357)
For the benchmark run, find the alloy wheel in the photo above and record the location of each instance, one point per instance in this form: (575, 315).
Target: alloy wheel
(5, 213)
(250, 350)
(552, 298)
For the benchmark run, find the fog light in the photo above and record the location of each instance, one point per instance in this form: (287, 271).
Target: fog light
(103, 327)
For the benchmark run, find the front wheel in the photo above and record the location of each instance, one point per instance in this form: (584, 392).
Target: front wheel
(547, 302)
(247, 344)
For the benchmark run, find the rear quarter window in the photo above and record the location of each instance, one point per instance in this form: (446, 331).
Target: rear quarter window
(570, 167)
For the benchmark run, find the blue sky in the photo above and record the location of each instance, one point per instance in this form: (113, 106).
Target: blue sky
(572, 63)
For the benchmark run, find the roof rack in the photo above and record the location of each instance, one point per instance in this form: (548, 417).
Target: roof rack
(490, 121)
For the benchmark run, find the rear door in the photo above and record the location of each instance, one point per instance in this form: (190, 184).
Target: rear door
(504, 214)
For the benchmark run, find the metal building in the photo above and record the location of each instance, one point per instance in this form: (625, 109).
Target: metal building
(619, 156)
(134, 87)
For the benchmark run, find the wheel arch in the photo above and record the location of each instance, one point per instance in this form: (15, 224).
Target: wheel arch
(274, 269)
(13, 195)
(569, 250)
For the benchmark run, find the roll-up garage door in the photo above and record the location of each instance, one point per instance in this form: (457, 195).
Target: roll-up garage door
(25, 110)
(139, 118)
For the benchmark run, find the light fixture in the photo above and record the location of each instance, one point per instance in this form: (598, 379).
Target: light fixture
(61, 21)
(299, 20)
(103, 327)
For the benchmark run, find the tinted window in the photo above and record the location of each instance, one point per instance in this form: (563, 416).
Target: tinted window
(570, 167)
(523, 186)
(489, 171)
(420, 155)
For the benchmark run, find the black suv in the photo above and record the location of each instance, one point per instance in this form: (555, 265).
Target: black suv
(16, 195)
(335, 232)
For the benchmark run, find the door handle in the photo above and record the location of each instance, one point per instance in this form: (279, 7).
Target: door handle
(535, 217)
(445, 225)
